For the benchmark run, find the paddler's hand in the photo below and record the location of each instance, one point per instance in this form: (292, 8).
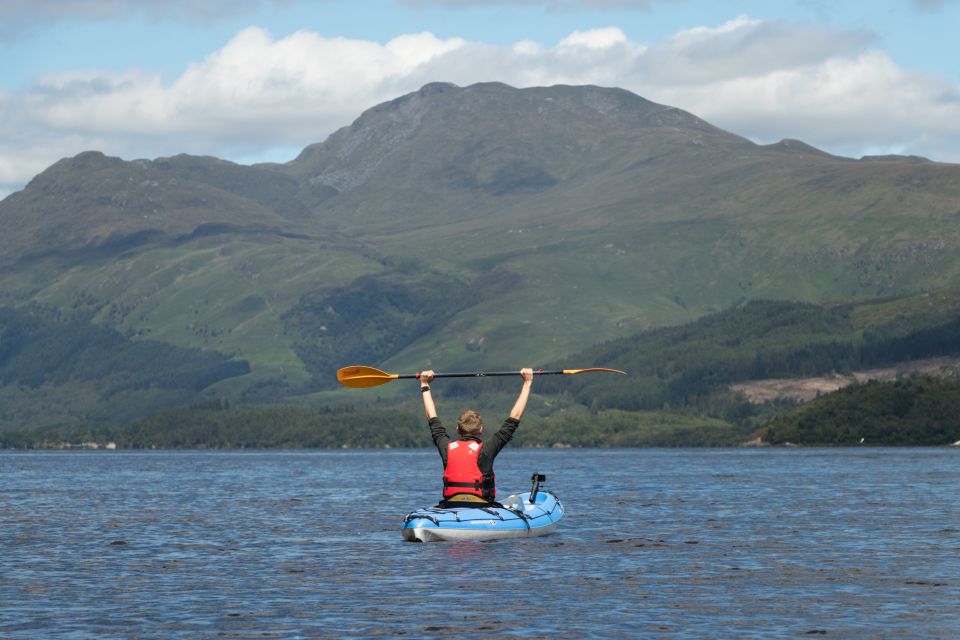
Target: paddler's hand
(426, 377)
(527, 374)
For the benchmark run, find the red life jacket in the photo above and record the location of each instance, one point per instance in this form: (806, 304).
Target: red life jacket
(462, 473)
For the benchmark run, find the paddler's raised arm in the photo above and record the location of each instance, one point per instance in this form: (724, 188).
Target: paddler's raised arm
(426, 377)
(517, 412)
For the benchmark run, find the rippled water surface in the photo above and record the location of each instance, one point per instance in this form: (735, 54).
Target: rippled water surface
(847, 543)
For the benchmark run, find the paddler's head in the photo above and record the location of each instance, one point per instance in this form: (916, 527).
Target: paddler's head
(469, 423)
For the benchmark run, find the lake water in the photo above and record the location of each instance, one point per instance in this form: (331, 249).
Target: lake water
(844, 543)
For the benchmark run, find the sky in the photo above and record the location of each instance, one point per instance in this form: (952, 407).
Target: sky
(258, 80)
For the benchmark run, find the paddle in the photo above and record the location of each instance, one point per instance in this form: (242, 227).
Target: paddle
(360, 377)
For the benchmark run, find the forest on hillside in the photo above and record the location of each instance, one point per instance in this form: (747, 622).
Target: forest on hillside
(676, 392)
(917, 412)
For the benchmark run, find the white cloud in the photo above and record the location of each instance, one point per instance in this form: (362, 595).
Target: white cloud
(744, 48)
(839, 95)
(254, 96)
(848, 106)
(259, 96)
(301, 85)
(527, 47)
(594, 39)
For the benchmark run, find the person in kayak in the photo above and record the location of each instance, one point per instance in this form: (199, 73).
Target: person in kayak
(468, 476)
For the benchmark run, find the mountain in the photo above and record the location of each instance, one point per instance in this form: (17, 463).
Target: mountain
(446, 154)
(466, 227)
(92, 201)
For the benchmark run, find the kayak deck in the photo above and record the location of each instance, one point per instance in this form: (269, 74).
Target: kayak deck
(516, 518)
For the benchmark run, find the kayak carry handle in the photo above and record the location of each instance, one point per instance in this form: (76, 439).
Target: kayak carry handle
(536, 479)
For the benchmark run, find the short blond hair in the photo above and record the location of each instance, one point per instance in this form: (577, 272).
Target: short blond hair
(469, 423)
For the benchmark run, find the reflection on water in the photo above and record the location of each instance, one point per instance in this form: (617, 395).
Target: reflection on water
(690, 543)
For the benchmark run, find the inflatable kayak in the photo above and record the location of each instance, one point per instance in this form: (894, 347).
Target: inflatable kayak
(515, 517)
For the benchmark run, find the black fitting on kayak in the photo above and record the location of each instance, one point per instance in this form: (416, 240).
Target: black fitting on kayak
(536, 479)
(420, 516)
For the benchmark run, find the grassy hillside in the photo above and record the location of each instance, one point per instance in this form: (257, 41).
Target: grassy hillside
(225, 292)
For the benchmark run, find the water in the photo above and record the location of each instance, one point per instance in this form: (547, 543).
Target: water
(852, 543)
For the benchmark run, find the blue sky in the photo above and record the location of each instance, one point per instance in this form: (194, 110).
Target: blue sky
(257, 80)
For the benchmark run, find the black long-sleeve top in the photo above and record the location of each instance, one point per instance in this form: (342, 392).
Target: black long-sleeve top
(490, 449)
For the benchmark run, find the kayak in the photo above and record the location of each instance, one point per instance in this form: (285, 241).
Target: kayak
(514, 517)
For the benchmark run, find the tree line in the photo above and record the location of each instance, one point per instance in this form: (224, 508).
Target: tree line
(692, 365)
(916, 412)
(676, 394)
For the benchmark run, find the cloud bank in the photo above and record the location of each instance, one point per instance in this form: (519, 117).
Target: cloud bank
(263, 97)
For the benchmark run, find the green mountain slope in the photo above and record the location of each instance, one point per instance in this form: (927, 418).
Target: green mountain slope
(474, 227)
(92, 202)
(57, 371)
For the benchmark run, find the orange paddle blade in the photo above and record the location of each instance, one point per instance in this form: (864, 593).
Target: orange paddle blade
(576, 371)
(360, 377)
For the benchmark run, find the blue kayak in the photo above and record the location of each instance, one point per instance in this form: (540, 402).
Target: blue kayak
(515, 517)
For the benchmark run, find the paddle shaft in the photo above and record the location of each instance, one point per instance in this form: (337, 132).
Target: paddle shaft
(482, 374)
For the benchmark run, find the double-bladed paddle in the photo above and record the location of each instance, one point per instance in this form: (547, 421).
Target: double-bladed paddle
(360, 377)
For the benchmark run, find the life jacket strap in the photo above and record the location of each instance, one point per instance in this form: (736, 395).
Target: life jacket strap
(476, 484)
(485, 487)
